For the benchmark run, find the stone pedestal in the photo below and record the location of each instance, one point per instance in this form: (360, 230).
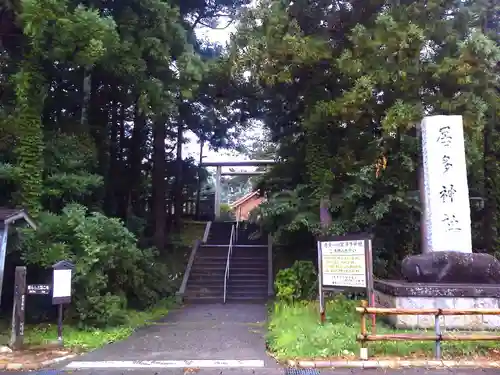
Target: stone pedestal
(405, 295)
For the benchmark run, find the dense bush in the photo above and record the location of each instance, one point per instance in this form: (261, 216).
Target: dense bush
(111, 273)
(298, 282)
(226, 213)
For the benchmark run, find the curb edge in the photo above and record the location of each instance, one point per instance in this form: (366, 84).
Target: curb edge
(36, 366)
(392, 364)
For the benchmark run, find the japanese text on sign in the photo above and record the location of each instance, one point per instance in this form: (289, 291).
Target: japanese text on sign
(447, 193)
(344, 263)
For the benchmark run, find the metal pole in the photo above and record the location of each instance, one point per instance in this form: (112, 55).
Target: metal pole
(322, 314)
(60, 323)
(217, 191)
(437, 330)
(371, 290)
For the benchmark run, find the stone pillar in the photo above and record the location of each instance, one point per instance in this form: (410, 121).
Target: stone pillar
(446, 205)
(218, 174)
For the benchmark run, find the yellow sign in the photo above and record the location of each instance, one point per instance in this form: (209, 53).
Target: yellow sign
(343, 263)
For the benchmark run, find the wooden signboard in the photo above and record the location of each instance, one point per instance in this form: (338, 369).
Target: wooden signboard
(39, 289)
(345, 262)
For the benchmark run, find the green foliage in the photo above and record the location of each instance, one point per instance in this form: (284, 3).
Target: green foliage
(94, 338)
(226, 213)
(111, 272)
(30, 92)
(299, 282)
(345, 114)
(80, 35)
(296, 333)
(81, 84)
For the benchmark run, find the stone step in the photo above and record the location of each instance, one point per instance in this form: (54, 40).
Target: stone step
(254, 282)
(215, 288)
(207, 278)
(208, 267)
(205, 283)
(247, 299)
(218, 258)
(204, 293)
(232, 266)
(193, 300)
(247, 271)
(247, 276)
(248, 296)
(238, 258)
(205, 275)
(248, 287)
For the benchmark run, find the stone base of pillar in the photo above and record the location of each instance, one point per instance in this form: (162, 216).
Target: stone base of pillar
(405, 295)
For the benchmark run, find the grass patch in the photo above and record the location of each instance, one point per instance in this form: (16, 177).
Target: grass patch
(191, 231)
(89, 339)
(295, 332)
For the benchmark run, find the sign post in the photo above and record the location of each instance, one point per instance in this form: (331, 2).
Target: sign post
(18, 310)
(61, 291)
(345, 262)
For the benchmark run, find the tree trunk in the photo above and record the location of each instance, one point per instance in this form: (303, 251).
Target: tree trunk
(86, 89)
(113, 174)
(121, 187)
(137, 145)
(178, 198)
(490, 206)
(29, 137)
(489, 167)
(98, 124)
(158, 180)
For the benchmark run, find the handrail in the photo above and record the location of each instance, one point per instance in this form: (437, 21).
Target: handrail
(207, 232)
(228, 260)
(270, 269)
(237, 227)
(189, 266)
(182, 289)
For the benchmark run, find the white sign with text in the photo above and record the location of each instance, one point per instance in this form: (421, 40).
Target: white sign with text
(343, 263)
(446, 192)
(62, 283)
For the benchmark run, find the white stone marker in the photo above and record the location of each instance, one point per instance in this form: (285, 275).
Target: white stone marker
(445, 191)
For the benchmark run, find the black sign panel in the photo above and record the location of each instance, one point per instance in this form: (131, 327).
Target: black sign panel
(39, 289)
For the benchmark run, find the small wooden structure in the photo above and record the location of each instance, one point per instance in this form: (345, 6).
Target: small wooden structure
(8, 216)
(218, 174)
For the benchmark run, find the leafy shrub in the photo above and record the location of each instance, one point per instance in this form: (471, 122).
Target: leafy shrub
(111, 273)
(226, 213)
(298, 282)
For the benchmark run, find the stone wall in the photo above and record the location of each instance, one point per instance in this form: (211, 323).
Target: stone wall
(467, 322)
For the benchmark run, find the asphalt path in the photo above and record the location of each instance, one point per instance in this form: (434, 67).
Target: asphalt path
(214, 335)
(265, 371)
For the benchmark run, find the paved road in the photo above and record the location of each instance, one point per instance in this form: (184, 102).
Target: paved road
(198, 332)
(265, 371)
(209, 333)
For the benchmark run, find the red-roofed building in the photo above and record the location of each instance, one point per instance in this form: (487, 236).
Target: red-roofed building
(245, 204)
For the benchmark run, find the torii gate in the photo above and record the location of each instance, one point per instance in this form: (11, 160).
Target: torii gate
(219, 174)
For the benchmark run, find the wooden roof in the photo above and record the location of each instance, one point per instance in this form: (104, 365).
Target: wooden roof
(244, 198)
(10, 215)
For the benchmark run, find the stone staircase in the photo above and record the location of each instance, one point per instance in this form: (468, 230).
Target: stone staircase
(248, 276)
